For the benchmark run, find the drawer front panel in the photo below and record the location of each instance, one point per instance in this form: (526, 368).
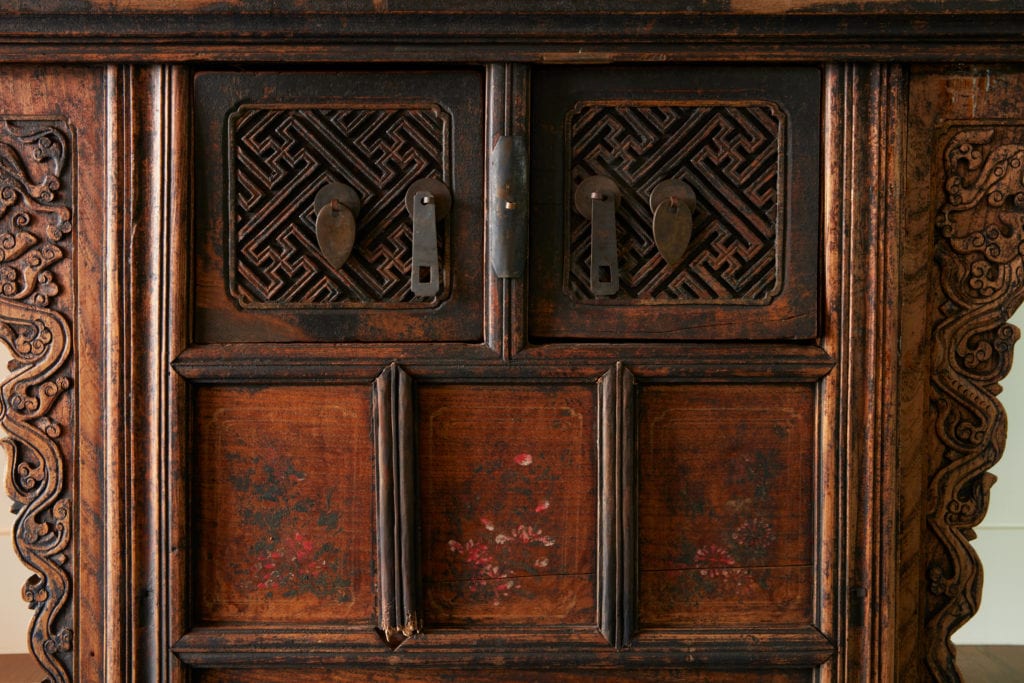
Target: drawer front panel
(732, 156)
(730, 253)
(277, 260)
(280, 157)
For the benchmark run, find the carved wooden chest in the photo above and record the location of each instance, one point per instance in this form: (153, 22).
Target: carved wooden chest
(381, 342)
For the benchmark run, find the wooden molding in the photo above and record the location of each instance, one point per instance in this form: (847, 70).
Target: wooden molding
(398, 609)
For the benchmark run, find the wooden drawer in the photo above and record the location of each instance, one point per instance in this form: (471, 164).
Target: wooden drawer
(747, 142)
(268, 143)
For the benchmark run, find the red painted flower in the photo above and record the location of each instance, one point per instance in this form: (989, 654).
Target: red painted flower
(712, 560)
(524, 459)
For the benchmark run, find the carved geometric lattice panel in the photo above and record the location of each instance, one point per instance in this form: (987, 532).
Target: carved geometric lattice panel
(730, 155)
(281, 157)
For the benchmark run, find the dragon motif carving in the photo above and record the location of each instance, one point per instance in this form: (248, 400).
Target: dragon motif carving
(35, 225)
(981, 271)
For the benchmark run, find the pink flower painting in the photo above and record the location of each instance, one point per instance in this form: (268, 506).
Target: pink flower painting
(510, 543)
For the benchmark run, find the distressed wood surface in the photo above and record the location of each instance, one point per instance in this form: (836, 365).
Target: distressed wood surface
(281, 496)
(910, 276)
(963, 194)
(726, 524)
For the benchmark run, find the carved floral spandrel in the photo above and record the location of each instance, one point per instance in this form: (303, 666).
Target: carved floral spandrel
(981, 270)
(36, 197)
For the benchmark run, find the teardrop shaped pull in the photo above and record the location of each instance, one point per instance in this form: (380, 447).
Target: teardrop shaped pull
(673, 226)
(336, 206)
(335, 233)
(673, 202)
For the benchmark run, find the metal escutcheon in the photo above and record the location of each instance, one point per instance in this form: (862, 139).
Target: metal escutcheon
(673, 202)
(336, 206)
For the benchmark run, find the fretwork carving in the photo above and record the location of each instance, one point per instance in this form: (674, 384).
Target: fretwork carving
(731, 155)
(281, 157)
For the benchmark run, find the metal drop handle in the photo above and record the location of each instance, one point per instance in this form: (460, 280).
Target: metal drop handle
(428, 201)
(597, 198)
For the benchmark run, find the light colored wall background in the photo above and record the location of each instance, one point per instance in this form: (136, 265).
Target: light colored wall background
(1000, 542)
(14, 612)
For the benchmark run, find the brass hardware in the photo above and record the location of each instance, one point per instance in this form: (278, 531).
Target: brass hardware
(597, 198)
(336, 206)
(429, 201)
(672, 202)
(508, 197)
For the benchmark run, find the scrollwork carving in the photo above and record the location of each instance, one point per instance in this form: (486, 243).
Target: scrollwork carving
(35, 222)
(981, 276)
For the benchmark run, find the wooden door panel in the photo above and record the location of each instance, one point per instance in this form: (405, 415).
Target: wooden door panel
(283, 501)
(747, 143)
(726, 505)
(267, 143)
(508, 481)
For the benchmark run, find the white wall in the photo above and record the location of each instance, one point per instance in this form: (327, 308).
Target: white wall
(14, 612)
(1000, 540)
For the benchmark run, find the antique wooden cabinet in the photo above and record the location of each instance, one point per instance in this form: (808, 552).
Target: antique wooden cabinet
(366, 341)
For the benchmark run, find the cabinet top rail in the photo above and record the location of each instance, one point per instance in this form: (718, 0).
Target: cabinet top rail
(510, 30)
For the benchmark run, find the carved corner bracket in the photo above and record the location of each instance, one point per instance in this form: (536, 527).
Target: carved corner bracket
(981, 277)
(36, 200)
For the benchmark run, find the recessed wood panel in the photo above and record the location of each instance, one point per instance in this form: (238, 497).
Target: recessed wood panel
(726, 506)
(508, 481)
(283, 504)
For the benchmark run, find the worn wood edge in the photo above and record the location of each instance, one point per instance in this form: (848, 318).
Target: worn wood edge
(862, 102)
(397, 598)
(980, 285)
(617, 556)
(892, 225)
(165, 33)
(550, 647)
(312, 362)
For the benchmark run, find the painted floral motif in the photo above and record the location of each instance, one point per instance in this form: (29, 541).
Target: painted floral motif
(289, 558)
(723, 564)
(509, 543)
